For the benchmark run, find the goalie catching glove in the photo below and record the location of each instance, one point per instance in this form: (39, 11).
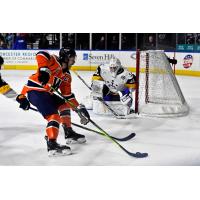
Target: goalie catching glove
(125, 97)
(83, 114)
(23, 101)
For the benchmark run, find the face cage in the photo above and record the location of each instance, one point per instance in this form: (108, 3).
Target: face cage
(113, 68)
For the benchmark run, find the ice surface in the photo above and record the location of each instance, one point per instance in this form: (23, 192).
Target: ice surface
(168, 141)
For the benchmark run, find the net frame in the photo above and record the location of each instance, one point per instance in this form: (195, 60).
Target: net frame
(148, 77)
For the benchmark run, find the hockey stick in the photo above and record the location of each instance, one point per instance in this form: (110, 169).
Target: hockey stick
(8, 92)
(31, 108)
(136, 155)
(100, 99)
(130, 136)
(82, 80)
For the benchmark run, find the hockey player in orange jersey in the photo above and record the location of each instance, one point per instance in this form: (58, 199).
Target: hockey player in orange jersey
(54, 71)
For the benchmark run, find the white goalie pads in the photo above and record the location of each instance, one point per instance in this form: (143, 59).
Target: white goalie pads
(126, 99)
(97, 88)
(100, 109)
(88, 102)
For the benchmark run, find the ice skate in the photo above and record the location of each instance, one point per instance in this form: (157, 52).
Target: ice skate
(72, 137)
(55, 149)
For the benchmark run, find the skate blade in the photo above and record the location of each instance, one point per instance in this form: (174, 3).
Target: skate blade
(72, 141)
(54, 153)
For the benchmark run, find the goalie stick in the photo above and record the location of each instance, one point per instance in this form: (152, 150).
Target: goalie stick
(100, 99)
(136, 155)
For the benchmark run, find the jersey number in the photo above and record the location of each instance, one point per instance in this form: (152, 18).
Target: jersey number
(56, 83)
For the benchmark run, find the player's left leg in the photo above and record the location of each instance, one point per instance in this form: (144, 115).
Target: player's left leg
(44, 103)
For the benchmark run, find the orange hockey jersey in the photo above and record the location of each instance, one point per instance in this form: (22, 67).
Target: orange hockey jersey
(58, 79)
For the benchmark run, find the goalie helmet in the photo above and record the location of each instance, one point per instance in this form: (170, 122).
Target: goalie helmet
(114, 66)
(65, 54)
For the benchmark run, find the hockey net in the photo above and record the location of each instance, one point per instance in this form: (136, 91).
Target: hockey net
(158, 93)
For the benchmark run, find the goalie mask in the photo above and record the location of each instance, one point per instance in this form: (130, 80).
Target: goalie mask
(114, 66)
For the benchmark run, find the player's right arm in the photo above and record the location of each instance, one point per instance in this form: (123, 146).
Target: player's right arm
(37, 80)
(44, 72)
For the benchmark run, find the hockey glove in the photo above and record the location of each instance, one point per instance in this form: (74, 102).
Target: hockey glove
(83, 113)
(44, 76)
(23, 101)
(125, 97)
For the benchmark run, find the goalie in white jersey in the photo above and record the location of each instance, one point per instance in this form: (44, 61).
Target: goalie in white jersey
(115, 85)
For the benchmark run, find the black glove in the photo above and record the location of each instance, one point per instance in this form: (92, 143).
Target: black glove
(43, 77)
(23, 101)
(83, 113)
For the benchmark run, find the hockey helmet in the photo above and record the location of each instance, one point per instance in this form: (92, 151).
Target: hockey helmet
(66, 53)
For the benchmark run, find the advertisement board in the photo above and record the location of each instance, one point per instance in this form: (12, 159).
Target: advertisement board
(188, 62)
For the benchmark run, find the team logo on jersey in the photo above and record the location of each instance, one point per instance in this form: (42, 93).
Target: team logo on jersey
(65, 79)
(56, 83)
(187, 61)
(123, 77)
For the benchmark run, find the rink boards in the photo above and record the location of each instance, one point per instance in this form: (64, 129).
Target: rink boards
(188, 62)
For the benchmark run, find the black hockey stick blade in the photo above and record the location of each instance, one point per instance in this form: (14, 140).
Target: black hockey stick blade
(139, 155)
(128, 137)
(135, 155)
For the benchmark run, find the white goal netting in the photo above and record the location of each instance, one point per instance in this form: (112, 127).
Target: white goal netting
(159, 92)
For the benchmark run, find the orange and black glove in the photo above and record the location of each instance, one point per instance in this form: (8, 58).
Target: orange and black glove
(83, 114)
(23, 101)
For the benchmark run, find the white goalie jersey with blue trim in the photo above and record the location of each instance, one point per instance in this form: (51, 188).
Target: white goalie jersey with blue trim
(115, 82)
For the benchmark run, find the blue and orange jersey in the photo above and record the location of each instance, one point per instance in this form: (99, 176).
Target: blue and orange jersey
(58, 79)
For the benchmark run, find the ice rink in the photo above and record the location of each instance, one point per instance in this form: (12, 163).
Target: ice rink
(174, 141)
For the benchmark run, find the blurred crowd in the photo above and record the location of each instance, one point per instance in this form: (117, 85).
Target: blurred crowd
(99, 41)
(23, 41)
